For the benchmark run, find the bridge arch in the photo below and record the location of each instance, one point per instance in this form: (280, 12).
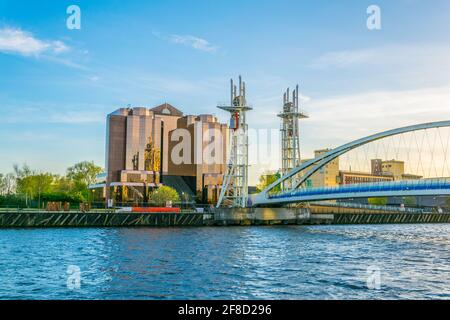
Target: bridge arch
(322, 160)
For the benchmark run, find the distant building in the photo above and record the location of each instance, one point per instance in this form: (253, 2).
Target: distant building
(326, 176)
(135, 142)
(351, 177)
(381, 171)
(408, 176)
(376, 166)
(393, 168)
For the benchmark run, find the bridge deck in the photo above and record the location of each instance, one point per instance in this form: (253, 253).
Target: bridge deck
(397, 188)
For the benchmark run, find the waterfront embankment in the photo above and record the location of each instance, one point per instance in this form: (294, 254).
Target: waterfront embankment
(97, 219)
(220, 217)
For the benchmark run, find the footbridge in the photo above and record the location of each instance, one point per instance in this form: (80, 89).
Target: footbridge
(425, 187)
(300, 192)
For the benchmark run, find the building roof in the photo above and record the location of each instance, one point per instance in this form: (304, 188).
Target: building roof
(167, 109)
(359, 173)
(393, 161)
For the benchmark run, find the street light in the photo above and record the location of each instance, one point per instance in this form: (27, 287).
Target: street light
(93, 197)
(183, 199)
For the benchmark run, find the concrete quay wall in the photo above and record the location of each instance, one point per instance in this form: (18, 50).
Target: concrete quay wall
(286, 216)
(219, 217)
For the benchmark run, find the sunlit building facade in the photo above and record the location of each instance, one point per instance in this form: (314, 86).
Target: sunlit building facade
(381, 171)
(139, 147)
(202, 159)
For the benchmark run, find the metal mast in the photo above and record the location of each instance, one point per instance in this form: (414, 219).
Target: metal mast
(234, 192)
(290, 134)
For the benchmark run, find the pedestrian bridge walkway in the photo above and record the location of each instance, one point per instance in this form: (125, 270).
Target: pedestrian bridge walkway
(421, 187)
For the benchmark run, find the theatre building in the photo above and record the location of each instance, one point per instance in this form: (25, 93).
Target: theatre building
(198, 150)
(139, 149)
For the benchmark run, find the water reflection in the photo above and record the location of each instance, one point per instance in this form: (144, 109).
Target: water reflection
(291, 262)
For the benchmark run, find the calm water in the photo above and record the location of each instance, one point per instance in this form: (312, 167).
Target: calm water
(318, 262)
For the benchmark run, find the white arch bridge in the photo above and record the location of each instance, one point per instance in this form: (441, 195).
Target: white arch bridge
(300, 174)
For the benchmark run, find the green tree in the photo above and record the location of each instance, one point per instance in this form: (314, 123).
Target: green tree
(27, 184)
(410, 201)
(2, 184)
(83, 173)
(42, 183)
(63, 185)
(9, 183)
(25, 171)
(267, 179)
(163, 194)
(80, 176)
(24, 183)
(31, 184)
(381, 201)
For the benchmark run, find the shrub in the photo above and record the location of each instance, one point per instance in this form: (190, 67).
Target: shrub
(378, 201)
(163, 194)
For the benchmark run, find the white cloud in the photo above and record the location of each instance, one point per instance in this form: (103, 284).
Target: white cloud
(59, 47)
(411, 56)
(17, 41)
(32, 112)
(78, 117)
(193, 42)
(341, 119)
(341, 59)
(177, 85)
(94, 78)
(64, 61)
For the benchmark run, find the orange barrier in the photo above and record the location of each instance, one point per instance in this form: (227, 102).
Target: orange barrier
(155, 209)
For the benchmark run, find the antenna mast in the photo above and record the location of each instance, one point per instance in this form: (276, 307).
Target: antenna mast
(290, 134)
(234, 192)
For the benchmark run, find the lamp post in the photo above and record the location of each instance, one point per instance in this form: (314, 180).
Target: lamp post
(183, 199)
(39, 198)
(93, 197)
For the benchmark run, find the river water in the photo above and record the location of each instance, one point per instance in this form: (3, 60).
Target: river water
(286, 262)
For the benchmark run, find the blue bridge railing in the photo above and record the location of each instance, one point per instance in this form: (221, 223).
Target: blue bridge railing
(410, 185)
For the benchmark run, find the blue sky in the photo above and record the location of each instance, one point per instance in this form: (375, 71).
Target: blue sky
(57, 85)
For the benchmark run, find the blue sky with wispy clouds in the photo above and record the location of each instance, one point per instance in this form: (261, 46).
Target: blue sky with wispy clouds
(57, 85)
